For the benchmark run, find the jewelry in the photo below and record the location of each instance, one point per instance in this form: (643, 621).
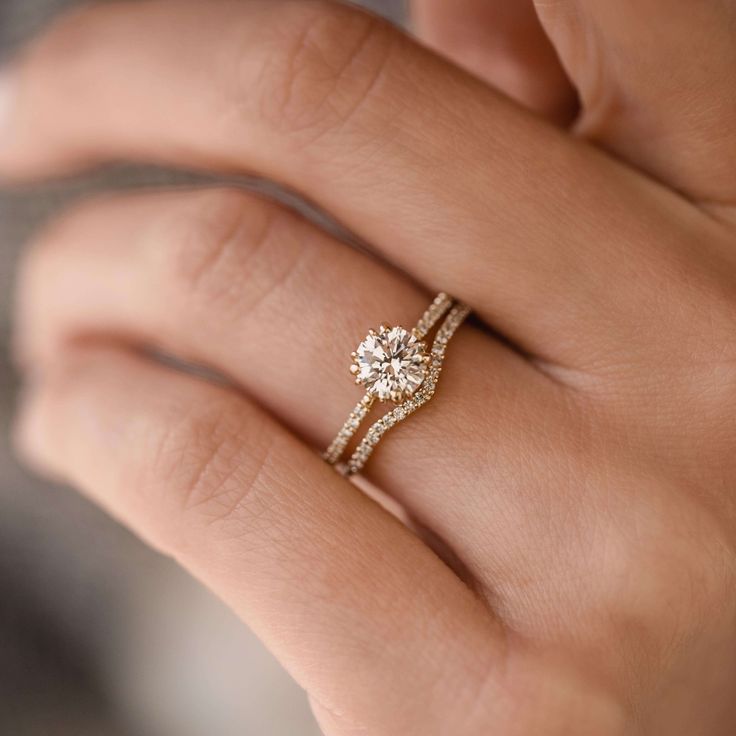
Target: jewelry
(394, 364)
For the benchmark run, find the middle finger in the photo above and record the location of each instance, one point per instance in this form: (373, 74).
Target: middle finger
(447, 178)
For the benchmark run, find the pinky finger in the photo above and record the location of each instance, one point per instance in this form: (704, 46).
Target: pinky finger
(380, 633)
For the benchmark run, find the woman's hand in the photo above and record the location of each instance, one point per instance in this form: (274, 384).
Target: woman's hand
(577, 475)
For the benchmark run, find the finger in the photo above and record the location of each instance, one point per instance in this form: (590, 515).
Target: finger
(503, 42)
(236, 283)
(338, 105)
(655, 79)
(363, 615)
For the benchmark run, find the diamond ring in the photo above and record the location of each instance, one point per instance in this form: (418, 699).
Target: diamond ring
(395, 365)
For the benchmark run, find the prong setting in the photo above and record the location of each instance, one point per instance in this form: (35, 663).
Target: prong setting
(391, 363)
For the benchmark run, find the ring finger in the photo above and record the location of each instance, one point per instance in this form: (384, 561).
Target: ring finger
(249, 289)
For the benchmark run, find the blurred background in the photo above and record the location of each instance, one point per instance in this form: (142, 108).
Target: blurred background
(99, 635)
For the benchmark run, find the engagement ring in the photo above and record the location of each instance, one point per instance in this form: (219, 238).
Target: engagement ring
(397, 365)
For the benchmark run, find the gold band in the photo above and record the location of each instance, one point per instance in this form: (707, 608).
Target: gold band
(455, 315)
(427, 321)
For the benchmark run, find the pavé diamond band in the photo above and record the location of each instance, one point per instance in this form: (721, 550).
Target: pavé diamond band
(395, 364)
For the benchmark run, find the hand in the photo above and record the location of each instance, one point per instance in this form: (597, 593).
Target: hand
(571, 484)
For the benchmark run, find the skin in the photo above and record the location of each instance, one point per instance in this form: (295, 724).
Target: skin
(569, 566)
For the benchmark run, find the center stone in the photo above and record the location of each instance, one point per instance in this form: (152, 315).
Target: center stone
(390, 363)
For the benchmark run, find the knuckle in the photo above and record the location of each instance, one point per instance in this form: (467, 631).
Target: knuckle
(202, 466)
(221, 238)
(320, 66)
(198, 232)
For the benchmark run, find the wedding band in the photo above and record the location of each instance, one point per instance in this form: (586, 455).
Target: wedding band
(395, 364)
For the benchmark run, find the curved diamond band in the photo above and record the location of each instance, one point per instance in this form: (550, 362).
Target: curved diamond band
(395, 364)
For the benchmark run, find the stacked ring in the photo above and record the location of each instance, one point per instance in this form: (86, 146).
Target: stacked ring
(395, 364)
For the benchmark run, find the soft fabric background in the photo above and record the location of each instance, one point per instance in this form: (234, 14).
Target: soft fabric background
(98, 635)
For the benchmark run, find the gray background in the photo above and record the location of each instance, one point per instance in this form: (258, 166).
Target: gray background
(99, 635)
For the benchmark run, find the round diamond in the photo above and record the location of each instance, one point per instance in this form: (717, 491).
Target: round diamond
(391, 363)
